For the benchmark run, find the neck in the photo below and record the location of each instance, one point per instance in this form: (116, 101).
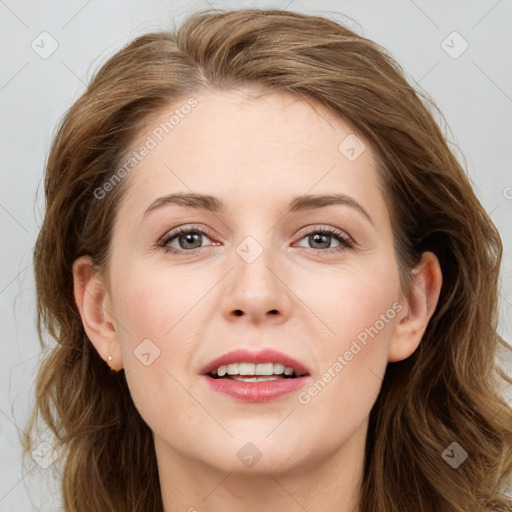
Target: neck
(322, 483)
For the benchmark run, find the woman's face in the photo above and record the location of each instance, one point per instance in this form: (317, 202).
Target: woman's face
(264, 263)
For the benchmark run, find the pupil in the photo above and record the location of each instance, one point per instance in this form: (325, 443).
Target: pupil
(190, 238)
(324, 240)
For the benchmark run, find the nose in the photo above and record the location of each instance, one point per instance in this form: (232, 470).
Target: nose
(257, 290)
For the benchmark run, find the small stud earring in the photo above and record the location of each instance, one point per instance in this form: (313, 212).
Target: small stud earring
(112, 370)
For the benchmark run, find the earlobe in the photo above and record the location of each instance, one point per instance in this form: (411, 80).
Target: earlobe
(420, 304)
(93, 301)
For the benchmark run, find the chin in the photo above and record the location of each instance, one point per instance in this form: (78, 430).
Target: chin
(256, 454)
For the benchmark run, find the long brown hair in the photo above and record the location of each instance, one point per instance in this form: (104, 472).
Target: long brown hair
(447, 391)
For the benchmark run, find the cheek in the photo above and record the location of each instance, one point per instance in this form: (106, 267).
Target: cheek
(157, 327)
(152, 302)
(355, 304)
(359, 310)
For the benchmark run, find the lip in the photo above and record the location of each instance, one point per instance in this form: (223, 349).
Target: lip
(256, 392)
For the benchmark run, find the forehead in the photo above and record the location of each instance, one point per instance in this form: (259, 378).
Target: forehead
(252, 144)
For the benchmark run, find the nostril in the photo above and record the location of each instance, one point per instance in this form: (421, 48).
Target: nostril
(238, 312)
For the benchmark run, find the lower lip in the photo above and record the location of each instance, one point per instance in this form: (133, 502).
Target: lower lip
(256, 392)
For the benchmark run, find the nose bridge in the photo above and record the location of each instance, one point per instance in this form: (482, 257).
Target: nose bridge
(253, 260)
(256, 289)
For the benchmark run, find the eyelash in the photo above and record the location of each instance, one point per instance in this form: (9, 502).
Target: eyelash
(344, 240)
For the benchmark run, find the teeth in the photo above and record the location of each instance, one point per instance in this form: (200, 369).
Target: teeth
(233, 369)
(254, 379)
(260, 369)
(264, 369)
(246, 369)
(279, 368)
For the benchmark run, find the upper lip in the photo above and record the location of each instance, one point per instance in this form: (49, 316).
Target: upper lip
(267, 355)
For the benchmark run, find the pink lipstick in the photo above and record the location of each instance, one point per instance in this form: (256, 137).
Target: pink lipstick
(255, 376)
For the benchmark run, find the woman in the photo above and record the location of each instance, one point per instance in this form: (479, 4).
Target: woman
(271, 283)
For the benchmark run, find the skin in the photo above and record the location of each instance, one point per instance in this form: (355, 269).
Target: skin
(255, 152)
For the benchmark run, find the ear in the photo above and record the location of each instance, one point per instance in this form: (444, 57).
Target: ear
(93, 301)
(418, 307)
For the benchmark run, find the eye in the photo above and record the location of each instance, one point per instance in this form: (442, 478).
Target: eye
(189, 240)
(184, 240)
(320, 239)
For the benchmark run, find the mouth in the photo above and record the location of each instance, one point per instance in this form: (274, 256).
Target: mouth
(250, 372)
(255, 376)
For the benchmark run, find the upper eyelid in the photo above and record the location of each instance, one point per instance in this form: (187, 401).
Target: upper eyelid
(320, 227)
(302, 233)
(185, 229)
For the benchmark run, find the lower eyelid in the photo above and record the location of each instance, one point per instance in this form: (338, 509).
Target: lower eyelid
(167, 240)
(344, 240)
(344, 243)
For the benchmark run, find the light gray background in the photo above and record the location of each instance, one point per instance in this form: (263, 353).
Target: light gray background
(474, 91)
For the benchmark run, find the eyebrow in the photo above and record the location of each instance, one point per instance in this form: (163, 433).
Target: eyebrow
(216, 205)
